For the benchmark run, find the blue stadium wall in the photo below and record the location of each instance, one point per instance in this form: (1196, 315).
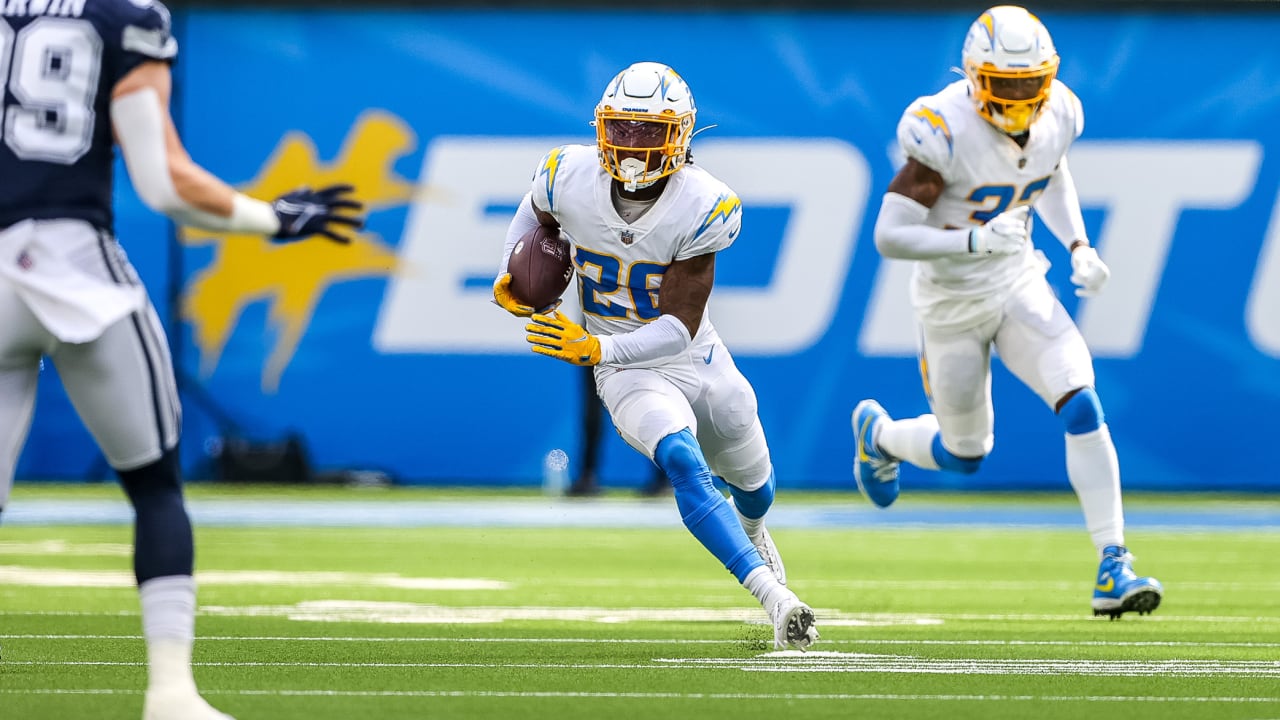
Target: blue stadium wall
(388, 354)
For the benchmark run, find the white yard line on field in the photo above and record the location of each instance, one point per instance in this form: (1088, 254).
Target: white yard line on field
(62, 547)
(812, 662)
(20, 575)
(669, 641)
(53, 577)
(360, 611)
(679, 696)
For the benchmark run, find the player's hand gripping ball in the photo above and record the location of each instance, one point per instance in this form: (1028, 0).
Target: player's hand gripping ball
(540, 269)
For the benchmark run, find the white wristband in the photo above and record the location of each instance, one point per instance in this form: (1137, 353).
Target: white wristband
(249, 215)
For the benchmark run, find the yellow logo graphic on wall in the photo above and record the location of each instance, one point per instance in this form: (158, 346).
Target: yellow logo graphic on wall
(291, 278)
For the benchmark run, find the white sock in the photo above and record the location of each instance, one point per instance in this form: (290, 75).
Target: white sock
(765, 586)
(751, 526)
(168, 625)
(1094, 472)
(910, 440)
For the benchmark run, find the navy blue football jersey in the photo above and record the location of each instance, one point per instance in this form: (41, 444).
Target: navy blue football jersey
(59, 60)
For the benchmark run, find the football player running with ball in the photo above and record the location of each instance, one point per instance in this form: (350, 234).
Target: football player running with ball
(980, 154)
(646, 225)
(75, 80)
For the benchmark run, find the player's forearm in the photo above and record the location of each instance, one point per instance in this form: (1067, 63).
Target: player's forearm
(199, 189)
(523, 221)
(661, 338)
(901, 233)
(1059, 208)
(168, 181)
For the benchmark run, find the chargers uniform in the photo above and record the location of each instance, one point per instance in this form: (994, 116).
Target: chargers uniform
(66, 288)
(620, 267)
(967, 303)
(980, 154)
(639, 215)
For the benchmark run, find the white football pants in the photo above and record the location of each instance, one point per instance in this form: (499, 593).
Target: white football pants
(1035, 338)
(703, 391)
(121, 384)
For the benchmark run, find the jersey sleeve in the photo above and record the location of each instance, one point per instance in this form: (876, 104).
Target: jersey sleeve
(1072, 108)
(718, 226)
(925, 136)
(544, 187)
(144, 32)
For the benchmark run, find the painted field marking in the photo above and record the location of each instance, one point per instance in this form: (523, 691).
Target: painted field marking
(49, 577)
(62, 547)
(678, 696)
(828, 661)
(812, 662)
(881, 584)
(424, 614)
(669, 641)
(54, 577)
(826, 617)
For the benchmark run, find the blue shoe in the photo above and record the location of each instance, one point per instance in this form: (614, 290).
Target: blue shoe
(1119, 590)
(876, 472)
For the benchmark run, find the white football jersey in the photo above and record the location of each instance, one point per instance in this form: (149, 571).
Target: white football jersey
(986, 173)
(620, 265)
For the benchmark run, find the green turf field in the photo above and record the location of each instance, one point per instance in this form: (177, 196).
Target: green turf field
(389, 623)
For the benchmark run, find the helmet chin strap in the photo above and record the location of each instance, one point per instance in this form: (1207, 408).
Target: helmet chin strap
(632, 168)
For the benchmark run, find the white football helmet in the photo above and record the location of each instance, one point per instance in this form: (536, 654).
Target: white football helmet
(1010, 61)
(644, 123)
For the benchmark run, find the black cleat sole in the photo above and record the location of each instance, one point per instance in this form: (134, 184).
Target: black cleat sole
(798, 628)
(1142, 603)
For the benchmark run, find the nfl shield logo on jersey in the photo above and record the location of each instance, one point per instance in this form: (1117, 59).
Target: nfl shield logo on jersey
(627, 237)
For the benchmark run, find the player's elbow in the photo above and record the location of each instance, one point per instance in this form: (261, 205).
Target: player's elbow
(158, 194)
(889, 241)
(160, 188)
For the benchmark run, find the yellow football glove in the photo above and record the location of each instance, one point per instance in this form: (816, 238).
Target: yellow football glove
(502, 294)
(559, 337)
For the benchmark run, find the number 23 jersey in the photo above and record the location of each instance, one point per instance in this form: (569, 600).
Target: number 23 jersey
(986, 173)
(620, 265)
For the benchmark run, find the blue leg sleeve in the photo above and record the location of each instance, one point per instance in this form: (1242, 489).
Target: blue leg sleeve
(754, 503)
(1082, 413)
(704, 510)
(162, 531)
(947, 461)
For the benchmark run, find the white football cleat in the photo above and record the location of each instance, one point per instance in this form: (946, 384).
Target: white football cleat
(793, 624)
(179, 705)
(769, 552)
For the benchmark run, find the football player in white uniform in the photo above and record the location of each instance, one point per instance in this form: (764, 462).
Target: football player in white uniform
(646, 225)
(979, 155)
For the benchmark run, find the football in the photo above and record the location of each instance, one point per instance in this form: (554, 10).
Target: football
(540, 267)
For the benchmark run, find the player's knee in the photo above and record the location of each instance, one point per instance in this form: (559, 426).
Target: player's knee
(679, 456)
(1082, 412)
(734, 416)
(156, 484)
(756, 502)
(948, 460)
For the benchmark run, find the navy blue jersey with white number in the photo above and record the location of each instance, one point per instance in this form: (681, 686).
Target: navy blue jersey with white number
(59, 60)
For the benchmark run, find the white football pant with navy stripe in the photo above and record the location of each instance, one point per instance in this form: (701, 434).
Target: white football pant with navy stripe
(121, 383)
